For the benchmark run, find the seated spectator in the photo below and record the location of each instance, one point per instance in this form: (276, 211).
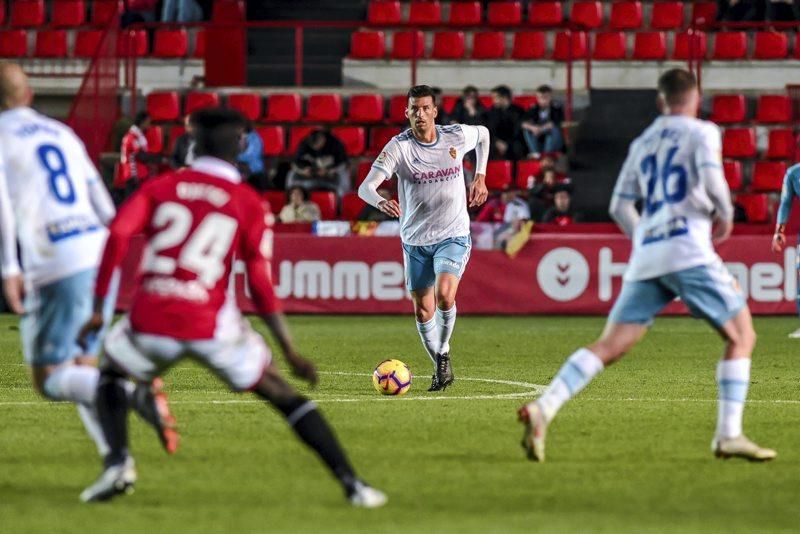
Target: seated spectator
(506, 208)
(138, 11)
(181, 11)
(541, 124)
(299, 208)
(783, 10)
(468, 109)
(739, 213)
(541, 193)
(441, 115)
(134, 157)
(251, 160)
(371, 213)
(740, 10)
(183, 151)
(562, 213)
(503, 121)
(321, 163)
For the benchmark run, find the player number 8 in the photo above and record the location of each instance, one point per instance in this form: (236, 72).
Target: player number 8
(53, 161)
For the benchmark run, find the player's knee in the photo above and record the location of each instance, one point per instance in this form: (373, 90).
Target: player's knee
(743, 340)
(423, 312)
(445, 302)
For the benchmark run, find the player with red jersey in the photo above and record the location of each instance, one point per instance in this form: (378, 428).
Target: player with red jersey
(196, 222)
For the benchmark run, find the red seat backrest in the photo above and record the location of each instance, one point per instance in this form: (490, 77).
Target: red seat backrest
(170, 43)
(771, 45)
(274, 139)
(248, 104)
(104, 10)
(284, 107)
(587, 14)
(276, 200)
(163, 106)
(650, 46)
(545, 13)
(562, 48)
(730, 45)
(733, 173)
(68, 13)
(196, 100)
(367, 45)
(686, 44)
(352, 137)
(379, 136)
(425, 13)
(448, 45)
(324, 107)
(326, 201)
(781, 143)
(352, 206)
(609, 46)
(366, 107)
(774, 108)
(498, 175)
(739, 143)
(768, 176)
(27, 14)
(465, 13)
(756, 206)
(529, 45)
(626, 15)
(666, 15)
(505, 13)
(86, 43)
(489, 45)
(51, 43)
(403, 43)
(727, 109)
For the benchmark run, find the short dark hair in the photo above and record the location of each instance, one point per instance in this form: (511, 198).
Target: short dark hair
(218, 132)
(469, 89)
(675, 83)
(419, 91)
(303, 191)
(503, 90)
(141, 118)
(544, 89)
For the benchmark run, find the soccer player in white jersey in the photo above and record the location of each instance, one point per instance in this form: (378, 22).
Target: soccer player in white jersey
(675, 169)
(53, 201)
(434, 223)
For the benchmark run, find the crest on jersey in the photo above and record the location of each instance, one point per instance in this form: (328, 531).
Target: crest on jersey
(381, 158)
(453, 152)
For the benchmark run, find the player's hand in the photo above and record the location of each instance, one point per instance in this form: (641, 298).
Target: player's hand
(722, 231)
(14, 290)
(477, 191)
(90, 330)
(390, 207)
(302, 368)
(778, 241)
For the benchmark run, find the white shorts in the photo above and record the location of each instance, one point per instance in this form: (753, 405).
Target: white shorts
(240, 361)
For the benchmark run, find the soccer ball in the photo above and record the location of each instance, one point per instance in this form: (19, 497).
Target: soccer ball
(392, 377)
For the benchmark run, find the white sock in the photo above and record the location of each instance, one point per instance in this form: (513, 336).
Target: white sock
(446, 320)
(574, 375)
(733, 379)
(77, 383)
(91, 422)
(429, 333)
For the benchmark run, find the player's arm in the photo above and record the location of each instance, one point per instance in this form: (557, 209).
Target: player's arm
(13, 285)
(708, 161)
(382, 169)
(784, 208)
(98, 194)
(626, 193)
(477, 137)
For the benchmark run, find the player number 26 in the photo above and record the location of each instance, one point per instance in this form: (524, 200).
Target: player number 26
(202, 253)
(667, 182)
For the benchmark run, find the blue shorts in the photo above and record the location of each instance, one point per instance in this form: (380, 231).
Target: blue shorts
(709, 291)
(423, 263)
(54, 316)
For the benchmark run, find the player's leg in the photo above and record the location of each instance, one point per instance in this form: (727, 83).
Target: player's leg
(420, 279)
(632, 314)
(796, 333)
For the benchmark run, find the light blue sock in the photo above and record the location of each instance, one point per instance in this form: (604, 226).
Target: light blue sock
(573, 376)
(733, 380)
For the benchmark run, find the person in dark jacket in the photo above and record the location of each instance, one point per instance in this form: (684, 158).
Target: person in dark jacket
(541, 124)
(183, 151)
(468, 109)
(503, 121)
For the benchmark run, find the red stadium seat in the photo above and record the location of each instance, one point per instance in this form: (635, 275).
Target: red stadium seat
(609, 46)
(797, 45)
(352, 206)
(488, 45)
(545, 13)
(781, 144)
(397, 109)
(562, 48)
(170, 43)
(448, 45)
(403, 45)
(504, 13)
(733, 173)
(771, 45)
(739, 143)
(86, 43)
(774, 108)
(155, 139)
(228, 11)
(527, 171)
(2, 12)
(383, 12)
(486, 100)
(666, 15)
(275, 199)
(164, 106)
(704, 13)
(730, 45)
(199, 51)
(51, 44)
(524, 101)
(68, 13)
(529, 45)
(449, 102)
(353, 138)
(768, 176)
(248, 104)
(296, 136)
(13, 43)
(27, 14)
(650, 46)
(324, 108)
(326, 201)
(587, 14)
(465, 13)
(175, 131)
(105, 10)
(686, 44)
(195, 101)
(626, 15)
(362, 171)
(274, 139)
(727, 109)
(367, 45)
(425, 13)
(284, 107)
(498, 175)
(379, 136)
(756, 206)
(365, 108)
(133, 43)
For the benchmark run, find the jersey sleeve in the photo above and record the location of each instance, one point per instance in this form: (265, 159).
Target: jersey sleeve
(477, 138)
(388, 160)
(101, 201)
(787, 194)
(627, 186)
(708, 162)
(256, 252)
(8, 228)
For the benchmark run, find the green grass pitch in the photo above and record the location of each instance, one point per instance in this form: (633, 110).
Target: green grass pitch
(631, 454)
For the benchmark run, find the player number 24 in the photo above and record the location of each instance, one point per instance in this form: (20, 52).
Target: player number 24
(203, 252)
(671, 179)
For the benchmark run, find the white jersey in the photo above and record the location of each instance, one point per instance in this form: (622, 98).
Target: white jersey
(52, 194)
(430, 177)
(675, 169)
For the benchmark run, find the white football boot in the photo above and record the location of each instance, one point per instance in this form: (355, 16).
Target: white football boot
(115, 480)
(532, 417)
(795, 334)
(741, 447)
(364, 496)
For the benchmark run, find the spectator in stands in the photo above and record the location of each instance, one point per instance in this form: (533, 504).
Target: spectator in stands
(468, 109)
(181, 11)
(441, 116)
(506, 208)
(783, 10)
(740, 10)
(503, 121)
(541, 124)
(321, 163)
(739, 213)
(133, 157)
(251, 159)
(540, 195)
(299, 208)
(139, 11)
(562, 213)
(371, 213)
(183, 150)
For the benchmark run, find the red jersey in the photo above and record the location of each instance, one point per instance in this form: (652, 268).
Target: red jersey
(133, 142)
(196, 221)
